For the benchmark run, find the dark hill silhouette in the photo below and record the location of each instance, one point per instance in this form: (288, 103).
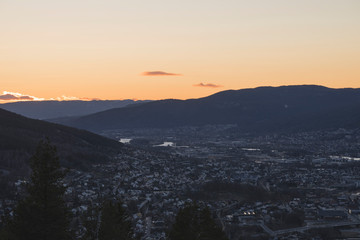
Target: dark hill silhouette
(19, 137)
(57, 109)
(258, 110)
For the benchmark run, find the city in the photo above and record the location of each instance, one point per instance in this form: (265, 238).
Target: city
(284, 187)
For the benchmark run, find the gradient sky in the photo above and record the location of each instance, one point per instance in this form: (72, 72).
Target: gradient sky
(114, 49)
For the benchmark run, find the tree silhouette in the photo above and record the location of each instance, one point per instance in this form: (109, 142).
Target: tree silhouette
(42, 214)
(115, 224)
(194, 223)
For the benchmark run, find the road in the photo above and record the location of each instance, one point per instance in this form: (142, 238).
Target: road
(306, 228)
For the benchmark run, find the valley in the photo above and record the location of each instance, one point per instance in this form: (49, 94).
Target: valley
(258, 185)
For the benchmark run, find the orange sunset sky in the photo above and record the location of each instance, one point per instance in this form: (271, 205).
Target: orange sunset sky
(156, 49)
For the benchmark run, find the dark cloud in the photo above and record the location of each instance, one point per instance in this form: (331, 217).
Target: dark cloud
(12, 97)
(211, 85)
(8, 97)
(26, 98)
(160, 73)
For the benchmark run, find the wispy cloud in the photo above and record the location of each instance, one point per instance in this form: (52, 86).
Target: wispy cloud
(89, 99)
(65, 98)
(160, 73)
(71, 98)
(13, 96)
(210, 85)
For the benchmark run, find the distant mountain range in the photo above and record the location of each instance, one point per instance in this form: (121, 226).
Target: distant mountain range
(19, 137)
(58, 109)
(259, 110)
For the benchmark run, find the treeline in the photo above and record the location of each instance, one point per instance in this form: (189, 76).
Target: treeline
(43, 215)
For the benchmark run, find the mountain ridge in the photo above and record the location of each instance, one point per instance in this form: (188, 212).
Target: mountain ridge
(262, 109)
(19, 137)
(55, 109)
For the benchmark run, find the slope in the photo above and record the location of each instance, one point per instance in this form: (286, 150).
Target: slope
(258, 110)
(57, 109)
(77, 148)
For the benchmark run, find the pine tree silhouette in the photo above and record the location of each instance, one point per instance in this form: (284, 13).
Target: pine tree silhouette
(114, 223)
(194, 223)
(42, 214)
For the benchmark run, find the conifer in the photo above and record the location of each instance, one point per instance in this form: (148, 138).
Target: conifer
(42, 214)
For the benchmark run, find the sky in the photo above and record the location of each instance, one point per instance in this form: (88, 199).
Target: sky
(158, 49)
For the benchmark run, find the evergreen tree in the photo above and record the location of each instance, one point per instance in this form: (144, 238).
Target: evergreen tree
(194, 223)
(114, 224)
(42, 214)
(208, 228)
